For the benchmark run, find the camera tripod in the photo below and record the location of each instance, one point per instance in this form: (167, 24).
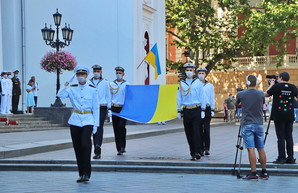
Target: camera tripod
(239, 146)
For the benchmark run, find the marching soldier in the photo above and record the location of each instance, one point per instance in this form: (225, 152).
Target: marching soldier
(208, 89)
(104, 98)
(16, 91)
(191, 101)
(117, 88)
(84, 118)
(9, 93)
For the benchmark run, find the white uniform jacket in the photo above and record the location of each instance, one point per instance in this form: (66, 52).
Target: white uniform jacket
(83, 98)
(190, 93)
(208, 89)
(118, 92)
(103, 91)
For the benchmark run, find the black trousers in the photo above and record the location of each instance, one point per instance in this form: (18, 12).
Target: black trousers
(192, 124)
(97, 137)
(119, 129)
(15, 103)
(284, 133)
(81, 140)
(205, 130)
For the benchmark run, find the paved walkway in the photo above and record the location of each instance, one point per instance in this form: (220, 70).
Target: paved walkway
(169, 146)
(115, 182)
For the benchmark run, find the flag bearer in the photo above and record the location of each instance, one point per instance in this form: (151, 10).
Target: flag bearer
(117, 88)
(191, 101)
(84, 118)
(104, 99)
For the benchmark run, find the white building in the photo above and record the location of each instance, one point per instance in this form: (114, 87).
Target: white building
(108, 33)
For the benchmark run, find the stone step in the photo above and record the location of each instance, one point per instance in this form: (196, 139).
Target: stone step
(153, 167)
(22, 129)
(41, 125)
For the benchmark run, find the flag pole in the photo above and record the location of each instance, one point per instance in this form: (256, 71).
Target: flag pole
(141, 63)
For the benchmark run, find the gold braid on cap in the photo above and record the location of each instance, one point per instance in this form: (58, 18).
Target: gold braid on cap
(187, 90)
(114, 90)
(81, 71)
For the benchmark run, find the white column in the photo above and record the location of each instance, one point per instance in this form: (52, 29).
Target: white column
(1, 51)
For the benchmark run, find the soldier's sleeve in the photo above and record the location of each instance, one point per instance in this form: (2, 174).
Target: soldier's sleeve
(212, 98)
(95, 109)
(108, 95)
(202, 95)
(63, 92)
(179, 98)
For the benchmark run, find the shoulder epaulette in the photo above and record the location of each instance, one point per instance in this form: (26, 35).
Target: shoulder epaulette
(74, 85)
(92, 86)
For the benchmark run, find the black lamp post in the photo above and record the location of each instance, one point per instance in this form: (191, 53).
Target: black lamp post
(48, 37)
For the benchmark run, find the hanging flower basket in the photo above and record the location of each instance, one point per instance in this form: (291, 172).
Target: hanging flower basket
(61, 60)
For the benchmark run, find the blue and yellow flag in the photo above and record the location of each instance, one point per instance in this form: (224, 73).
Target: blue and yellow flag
(153, 59)
(149, 103)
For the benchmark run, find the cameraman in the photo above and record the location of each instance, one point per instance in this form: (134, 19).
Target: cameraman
(252, 101)
(283, 115)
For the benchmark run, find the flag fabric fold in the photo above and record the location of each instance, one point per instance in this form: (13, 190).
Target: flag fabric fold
(149, 103)
(153, 59)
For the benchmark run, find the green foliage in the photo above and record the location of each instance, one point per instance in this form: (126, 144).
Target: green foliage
(211, 28)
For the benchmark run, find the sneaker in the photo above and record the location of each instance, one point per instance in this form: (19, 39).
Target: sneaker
(250, 177)
(264, 176)
(290, 161)
(280, 161)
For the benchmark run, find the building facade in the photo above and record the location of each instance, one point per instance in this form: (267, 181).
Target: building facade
(109, 33)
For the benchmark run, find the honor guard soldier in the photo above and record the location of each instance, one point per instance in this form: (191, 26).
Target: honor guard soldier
(4, 92)
(191, 101)
(16, 91)
(104, 98)
(83, 120)
(208, 90)
(117, 88)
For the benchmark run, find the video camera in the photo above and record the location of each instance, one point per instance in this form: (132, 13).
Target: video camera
(272, 77)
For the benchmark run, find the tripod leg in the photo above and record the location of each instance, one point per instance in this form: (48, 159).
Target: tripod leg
(267, 131)
(237, 150)
(240, 159)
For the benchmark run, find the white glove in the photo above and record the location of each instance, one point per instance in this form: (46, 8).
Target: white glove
(212, 113)
(94, 129)
(202, 114)
(109, 113)
(179, 115)
(71, 78)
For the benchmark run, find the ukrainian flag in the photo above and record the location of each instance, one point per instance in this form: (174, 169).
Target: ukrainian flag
(153, 59)
(149, 103)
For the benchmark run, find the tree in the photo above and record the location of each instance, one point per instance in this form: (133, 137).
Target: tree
(211, 28)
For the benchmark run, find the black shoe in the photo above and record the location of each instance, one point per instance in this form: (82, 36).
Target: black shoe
(97, 156)
(119, 153)
(280, 161)
(198, 156)
(97, 150)
(202, 153)
(193, 158)
(290, 161)
(122, 150)
(207, 152)
(85, 178)
(80, 179)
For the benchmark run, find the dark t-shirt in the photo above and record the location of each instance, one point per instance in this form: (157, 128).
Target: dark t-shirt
(283, 101)
(252, 101)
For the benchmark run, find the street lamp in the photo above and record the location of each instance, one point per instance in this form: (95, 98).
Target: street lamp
(48, 36)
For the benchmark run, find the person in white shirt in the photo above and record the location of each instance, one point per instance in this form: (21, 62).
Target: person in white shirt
(4, 92)
(208, 90)
(9, 93)
(35, 90)
(83, 120)
(104, 98)
(117, 88)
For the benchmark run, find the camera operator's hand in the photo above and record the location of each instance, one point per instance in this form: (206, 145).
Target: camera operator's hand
(272, 82)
